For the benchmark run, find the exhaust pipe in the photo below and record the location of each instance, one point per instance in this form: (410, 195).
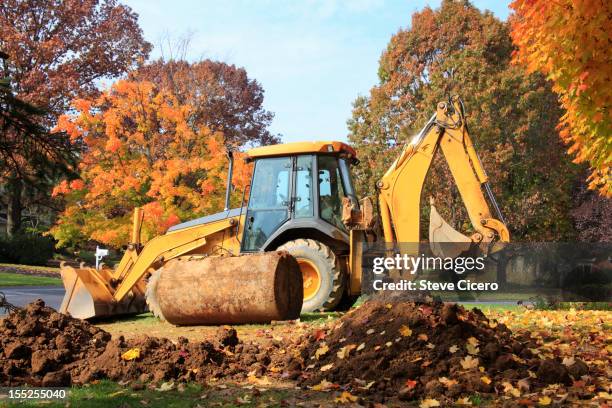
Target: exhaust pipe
(228, 190)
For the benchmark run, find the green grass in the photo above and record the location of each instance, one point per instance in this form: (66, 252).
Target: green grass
(16, 279)
(488, 307)
(110, 394)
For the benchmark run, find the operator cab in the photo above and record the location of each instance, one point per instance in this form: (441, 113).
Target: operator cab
(285, 194)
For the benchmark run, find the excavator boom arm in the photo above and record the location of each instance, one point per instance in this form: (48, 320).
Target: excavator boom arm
(401, 186)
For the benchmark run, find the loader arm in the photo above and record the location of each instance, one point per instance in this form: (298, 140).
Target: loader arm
(401, 186)
(94, 292)
(135, 264)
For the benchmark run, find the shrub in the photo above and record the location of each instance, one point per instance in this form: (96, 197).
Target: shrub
(27, 249)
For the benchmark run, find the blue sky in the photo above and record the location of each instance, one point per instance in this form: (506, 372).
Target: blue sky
(312, 57)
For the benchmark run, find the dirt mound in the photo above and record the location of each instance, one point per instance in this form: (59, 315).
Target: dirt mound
(380, 351)
(39, 346)
(415, 350)
(43, 347)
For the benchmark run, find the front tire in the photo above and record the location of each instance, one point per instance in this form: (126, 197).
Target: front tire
(324, 282)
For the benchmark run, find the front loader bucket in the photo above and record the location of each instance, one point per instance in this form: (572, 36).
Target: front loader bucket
(88, 295)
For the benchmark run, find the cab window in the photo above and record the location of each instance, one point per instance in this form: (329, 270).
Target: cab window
(331, 191)
(269, 202)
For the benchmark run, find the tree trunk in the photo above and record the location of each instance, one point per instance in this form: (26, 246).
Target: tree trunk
(502, 265)
(14, 189)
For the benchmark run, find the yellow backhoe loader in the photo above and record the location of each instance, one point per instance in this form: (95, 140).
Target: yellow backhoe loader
(297, 244)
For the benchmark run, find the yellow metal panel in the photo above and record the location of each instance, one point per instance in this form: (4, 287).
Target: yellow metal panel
(301, 148)
(355, 261)
(176, 243)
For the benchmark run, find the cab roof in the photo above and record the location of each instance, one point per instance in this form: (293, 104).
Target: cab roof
(287, 149)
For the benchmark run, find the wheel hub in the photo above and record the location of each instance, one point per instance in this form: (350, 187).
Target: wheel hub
(311, 278)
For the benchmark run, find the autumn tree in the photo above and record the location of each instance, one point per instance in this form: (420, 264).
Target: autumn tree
(59, 50)
(569, 42)
(223, 97)
(457, 49)
(140, 149)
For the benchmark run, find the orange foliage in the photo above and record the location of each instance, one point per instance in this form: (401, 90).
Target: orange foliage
(140, 149)
(569, 41)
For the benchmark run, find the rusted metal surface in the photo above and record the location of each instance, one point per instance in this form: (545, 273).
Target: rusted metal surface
(254, 288)
(88, 295)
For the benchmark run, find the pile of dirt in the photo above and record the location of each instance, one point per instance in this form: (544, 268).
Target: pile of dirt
(39, 346)
(410, 350)
(42, 347)
(381, 351)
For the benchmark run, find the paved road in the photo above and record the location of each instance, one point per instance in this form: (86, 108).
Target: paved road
(22, 295)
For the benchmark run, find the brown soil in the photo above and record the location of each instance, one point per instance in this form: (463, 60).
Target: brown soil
(380, 351)
(369, 352)
(43, 347)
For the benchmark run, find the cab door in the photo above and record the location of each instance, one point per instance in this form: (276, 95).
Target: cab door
(270, 201)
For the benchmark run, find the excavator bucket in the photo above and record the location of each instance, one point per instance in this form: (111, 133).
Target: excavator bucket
(444, 240)
(88, 294)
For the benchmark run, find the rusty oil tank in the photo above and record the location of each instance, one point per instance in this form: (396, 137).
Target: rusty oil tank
(256, 288)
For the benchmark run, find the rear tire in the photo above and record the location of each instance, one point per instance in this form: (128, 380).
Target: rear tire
(312, 255)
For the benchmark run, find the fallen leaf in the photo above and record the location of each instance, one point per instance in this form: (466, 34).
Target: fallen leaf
(245, 399)
(405, 331)
(464, 401)
(446, 382)
(131, 354)
(361, 347)
(345, 351)
(345, 398)
(423, 337)
(473, 341)
(568, 361)
(471, 349)
(509, 389)
(167, 386)
(428, 403)
(368, 385)
(453, 349)
(258, 381)
(469, 362)
(327, 367)
(543, 401)
(321, 351)
(319, 335)
(410, 384)
(370, 331)
(604, 395)
(324, 386)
